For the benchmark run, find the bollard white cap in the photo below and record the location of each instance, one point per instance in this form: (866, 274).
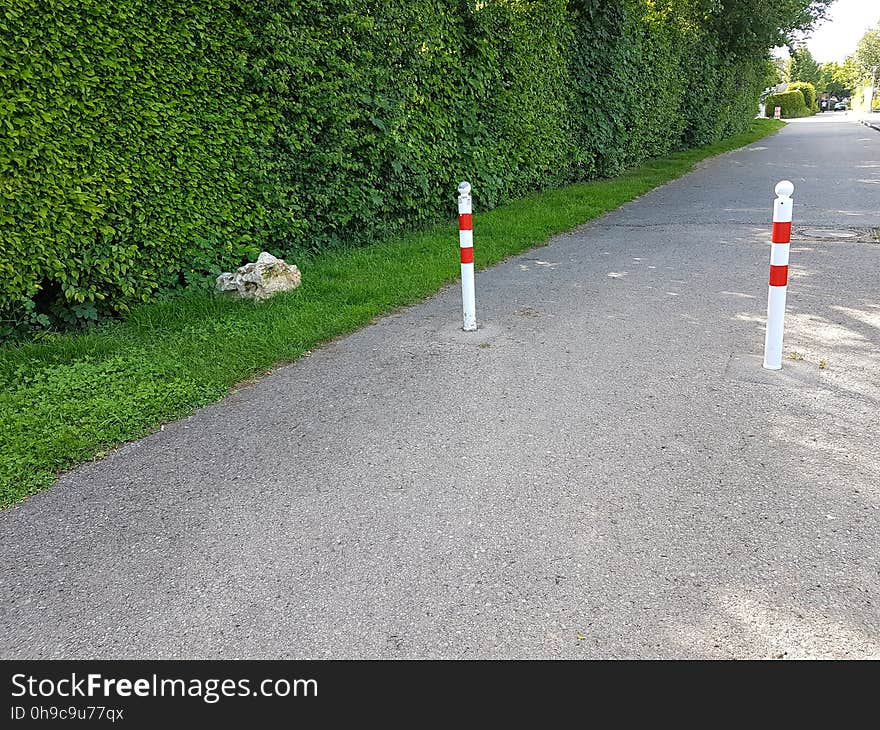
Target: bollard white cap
(464, 188)
(784, 188)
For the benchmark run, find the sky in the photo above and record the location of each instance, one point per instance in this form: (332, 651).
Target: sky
(847, 22)
(837, 37)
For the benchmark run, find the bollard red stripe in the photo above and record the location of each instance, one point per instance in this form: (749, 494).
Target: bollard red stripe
(778, 275)
(781, 233)
(467, 255)
(464, 222)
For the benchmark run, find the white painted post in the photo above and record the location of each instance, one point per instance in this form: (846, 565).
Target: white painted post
(781, 237)
(466, 246)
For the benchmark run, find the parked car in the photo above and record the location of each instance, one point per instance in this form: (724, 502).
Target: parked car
(840, 106)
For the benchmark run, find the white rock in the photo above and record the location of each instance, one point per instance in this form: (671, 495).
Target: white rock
(260, 280)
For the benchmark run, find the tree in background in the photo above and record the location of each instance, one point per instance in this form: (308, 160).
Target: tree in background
(861, 68)
(749, 26)
(826, 78)
(775, 71)
(867, 55)
(802, 67)
(839, 79)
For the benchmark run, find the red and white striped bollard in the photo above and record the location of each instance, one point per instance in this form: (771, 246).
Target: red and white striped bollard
(466, 245)
(781, 237)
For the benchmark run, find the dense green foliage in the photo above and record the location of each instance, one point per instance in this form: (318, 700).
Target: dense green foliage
(746, 25)
(809, 92)
(147, 145)
(867, 54)
(791, 103)
(802, 67)
(839, 79)
(128, 134)
(850, 78)
(68, 397)
(862, 70)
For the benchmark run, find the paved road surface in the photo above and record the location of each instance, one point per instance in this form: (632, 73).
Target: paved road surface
(603, 470)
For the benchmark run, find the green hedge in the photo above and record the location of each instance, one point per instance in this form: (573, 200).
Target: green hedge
(146, 145)
(809, 92)
(791, 103)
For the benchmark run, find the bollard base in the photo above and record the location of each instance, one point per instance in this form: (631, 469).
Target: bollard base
(748, 369)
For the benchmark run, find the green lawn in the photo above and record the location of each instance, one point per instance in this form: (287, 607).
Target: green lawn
(68, 398)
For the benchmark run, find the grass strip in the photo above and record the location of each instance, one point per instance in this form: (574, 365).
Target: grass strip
(67, 398)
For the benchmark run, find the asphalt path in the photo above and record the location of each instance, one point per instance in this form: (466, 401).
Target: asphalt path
(602, 470)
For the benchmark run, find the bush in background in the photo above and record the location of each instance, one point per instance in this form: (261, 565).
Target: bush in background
(791, 103)
(809, 92)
